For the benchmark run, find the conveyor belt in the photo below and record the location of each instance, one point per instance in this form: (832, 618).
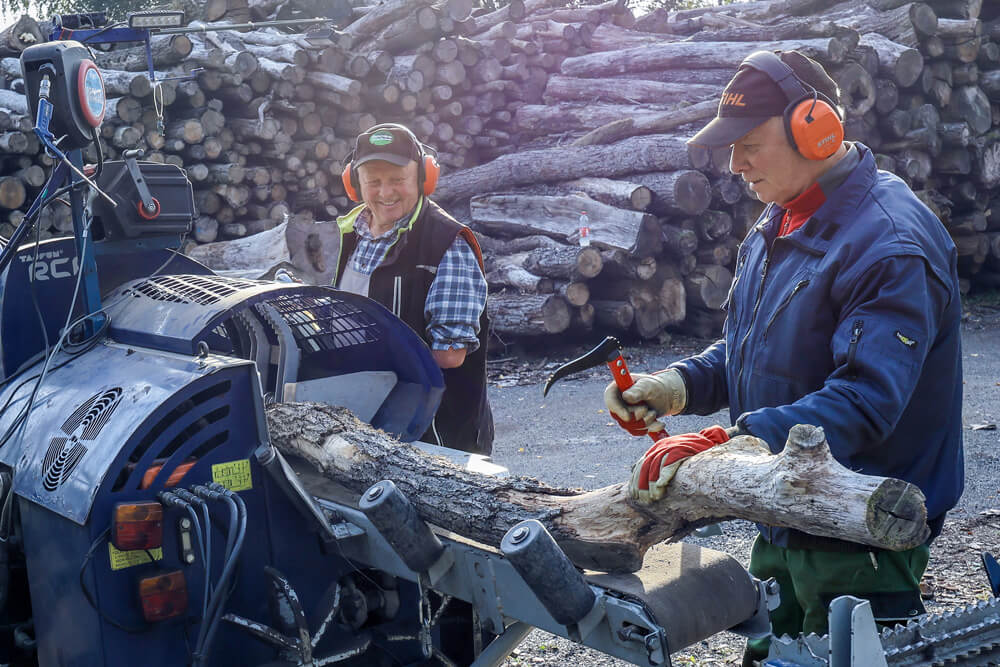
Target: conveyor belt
(691, 591)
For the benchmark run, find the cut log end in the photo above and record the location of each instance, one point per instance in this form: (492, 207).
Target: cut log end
(897, 515)
(806, 438)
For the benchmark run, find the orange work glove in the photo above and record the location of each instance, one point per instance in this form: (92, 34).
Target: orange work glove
(664, 453)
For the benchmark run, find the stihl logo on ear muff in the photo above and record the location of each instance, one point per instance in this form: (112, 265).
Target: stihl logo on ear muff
(812, 123)
(428, 169)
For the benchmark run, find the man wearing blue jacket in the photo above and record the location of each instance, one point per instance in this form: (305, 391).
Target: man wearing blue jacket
(844, 313)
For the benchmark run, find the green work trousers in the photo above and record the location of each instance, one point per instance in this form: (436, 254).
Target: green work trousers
(810, 580)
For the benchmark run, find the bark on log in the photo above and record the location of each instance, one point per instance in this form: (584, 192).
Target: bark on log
(509, 271)
(308, 249)
(576, 89)
(897, 62)
(628, 127)
(547, 119)
(969, 103)
(697, 55)
(378, 19)
(708, 286)
(684, 192)
(18, 36)
(167, 51)
(613, 315)
(117, 84)
(613, 192)
(802, 487)
(634, 155)
(528, 315)
(906, 24)
(566, 262)
(559, 217)
(12, 102)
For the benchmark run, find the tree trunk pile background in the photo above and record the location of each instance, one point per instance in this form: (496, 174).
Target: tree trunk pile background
(541, 112)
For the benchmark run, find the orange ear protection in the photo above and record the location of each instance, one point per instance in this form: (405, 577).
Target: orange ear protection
(428, 169)
(812, 122)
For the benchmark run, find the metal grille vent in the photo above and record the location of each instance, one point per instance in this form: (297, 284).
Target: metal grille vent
(202, 290)
(323, 323)
(85, 423)
(195, 416)
(93, 414)
(60, 461)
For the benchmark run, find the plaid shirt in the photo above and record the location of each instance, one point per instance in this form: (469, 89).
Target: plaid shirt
(457, 295)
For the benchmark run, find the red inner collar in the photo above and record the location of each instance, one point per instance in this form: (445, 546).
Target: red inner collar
(801, 209)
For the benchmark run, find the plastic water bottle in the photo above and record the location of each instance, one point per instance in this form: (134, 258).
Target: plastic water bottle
(584, 229)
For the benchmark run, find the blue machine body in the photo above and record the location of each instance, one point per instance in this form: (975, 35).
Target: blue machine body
(147, 397)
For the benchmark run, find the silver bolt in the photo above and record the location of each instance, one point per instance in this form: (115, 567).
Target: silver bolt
(185, 523)
(375, 492)
(189, 558)
(520, 534)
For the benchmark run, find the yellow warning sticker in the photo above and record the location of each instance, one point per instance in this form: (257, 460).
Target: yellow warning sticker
(234, 475)
(122, 559)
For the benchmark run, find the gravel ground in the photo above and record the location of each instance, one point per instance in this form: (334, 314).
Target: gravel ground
(568, 440)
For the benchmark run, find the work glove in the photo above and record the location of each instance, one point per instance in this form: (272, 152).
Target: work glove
(650, 397)
(652, 473)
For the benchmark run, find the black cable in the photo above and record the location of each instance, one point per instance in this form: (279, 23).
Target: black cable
(90, 598)
(24, 411)
(34, 290)
(205, 538)
(100, 154)
(238, 521)
(208, 494)
(101, 31)
(216, 614)
(76, 348)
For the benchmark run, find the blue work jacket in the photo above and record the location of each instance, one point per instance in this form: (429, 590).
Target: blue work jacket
(851, 323)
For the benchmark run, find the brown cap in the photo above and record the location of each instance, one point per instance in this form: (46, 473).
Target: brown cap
(753, 96)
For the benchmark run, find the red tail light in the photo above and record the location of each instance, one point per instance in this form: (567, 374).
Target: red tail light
(137, 526)
(163, 596)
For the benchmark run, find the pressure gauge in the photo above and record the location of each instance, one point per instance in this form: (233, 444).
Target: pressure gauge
(64, 72)
(90, 88)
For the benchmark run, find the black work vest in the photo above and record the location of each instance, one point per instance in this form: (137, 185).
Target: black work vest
(400, 283)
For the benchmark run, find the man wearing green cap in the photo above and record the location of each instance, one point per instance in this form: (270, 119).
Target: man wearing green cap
(403, 250)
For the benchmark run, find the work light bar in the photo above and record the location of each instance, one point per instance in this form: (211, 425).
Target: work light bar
(151, 20)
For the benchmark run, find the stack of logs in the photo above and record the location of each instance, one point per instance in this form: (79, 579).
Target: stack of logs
(920, 85)
(542, 112)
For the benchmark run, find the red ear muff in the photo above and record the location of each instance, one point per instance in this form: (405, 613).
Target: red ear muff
(815, 128)
(347, 178)
(431, 173)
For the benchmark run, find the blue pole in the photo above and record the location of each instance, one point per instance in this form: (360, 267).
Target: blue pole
(84, 244)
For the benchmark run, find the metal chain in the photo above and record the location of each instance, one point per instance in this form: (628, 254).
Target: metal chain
(158, 106)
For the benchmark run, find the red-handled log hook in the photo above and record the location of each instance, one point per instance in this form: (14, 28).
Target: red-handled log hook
(609, 351)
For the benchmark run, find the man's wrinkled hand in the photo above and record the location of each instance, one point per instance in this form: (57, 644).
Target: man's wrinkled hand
(652, 473)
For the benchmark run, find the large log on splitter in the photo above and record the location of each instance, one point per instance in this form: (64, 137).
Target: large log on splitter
(802, 487)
